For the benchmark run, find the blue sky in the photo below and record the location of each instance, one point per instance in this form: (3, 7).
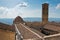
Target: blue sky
(28, 8)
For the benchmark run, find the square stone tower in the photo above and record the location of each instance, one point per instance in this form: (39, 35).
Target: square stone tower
(44, 13)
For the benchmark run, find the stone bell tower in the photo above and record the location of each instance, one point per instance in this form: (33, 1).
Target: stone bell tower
(45, 13)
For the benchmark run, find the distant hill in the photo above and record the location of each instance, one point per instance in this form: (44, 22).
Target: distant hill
(7, 27)
(10, 21)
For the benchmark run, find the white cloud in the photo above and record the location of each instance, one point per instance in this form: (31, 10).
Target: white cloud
(9, 13)
(32, 13)
(12, 12)
(2, 10)
(58, 6)
(23, 4)
(19, 10)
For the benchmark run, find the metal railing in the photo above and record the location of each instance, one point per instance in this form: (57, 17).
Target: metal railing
(18, 35)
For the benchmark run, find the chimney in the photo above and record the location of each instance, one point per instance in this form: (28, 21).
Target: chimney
(45, 13)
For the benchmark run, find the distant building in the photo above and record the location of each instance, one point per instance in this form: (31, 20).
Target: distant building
(18, 19)
(45, 13)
